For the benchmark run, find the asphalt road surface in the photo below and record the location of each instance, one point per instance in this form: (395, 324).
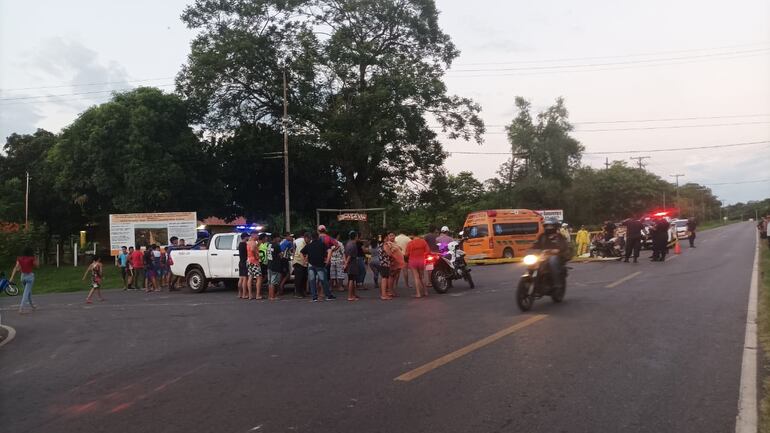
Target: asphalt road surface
(651, 347)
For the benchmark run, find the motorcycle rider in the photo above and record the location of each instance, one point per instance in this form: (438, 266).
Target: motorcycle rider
(444, 239)
(551, 239)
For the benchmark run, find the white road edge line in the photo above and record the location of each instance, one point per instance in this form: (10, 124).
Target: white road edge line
(746, 422)
(11, 335)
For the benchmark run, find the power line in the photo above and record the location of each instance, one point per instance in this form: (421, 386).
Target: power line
(669, 119)
(569, 59)
(642, 128)
(675, 149)
(78, 93)
(604, 64)
(617, 67)
(738, 183)
(103, 83)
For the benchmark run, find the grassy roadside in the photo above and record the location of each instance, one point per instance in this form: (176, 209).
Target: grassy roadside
(764, 336)
(49, 279)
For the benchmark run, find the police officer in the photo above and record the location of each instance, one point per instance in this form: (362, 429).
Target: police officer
(633, 238)
(660, 240)
(551, 239)
(691, 225)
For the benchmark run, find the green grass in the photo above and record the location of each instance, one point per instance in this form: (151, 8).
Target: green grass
(764, 336)
(49, 279)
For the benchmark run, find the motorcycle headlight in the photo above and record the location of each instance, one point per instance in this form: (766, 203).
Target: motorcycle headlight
(530, 259)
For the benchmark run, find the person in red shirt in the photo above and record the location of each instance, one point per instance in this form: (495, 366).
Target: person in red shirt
(137, 263)
(416, 250)
(26, 264)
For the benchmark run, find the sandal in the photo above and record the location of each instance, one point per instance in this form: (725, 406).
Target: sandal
(353, 299)
(386, 298)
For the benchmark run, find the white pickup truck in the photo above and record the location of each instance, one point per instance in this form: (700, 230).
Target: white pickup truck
(203, 266)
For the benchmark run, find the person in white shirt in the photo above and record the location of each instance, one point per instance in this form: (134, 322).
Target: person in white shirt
(299, 265)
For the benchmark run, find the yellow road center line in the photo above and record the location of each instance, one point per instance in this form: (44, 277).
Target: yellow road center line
(419, 371)
(623, 280)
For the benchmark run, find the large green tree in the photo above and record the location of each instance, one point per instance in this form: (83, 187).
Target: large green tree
(136, 153)
(28, 153)
(364, 78)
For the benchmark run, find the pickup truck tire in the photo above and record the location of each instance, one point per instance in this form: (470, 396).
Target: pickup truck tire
(196, 280)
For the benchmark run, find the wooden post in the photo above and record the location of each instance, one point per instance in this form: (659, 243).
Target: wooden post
(75, 254)
(57, 254)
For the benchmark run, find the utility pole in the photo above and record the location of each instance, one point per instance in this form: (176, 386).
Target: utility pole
(26, 206)
(606, 163)
(640, 160)
(286, 154)
(677, 176)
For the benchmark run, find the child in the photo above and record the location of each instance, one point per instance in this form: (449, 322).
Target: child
(96, 279)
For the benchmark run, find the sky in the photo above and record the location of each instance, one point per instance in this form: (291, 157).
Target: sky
(636, 76)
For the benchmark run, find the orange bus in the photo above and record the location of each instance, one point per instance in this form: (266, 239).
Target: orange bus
(501, 233)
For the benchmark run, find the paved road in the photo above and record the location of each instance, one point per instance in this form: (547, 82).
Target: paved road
(659, 352)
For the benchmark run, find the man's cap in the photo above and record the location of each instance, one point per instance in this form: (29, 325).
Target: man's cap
(444, 229)
(322, 228)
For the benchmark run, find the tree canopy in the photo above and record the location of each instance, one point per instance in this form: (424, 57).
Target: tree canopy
(365, 81)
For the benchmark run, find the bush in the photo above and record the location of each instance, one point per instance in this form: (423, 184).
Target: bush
(14, 239)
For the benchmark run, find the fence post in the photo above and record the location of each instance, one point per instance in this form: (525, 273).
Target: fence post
(57, 254)
(75, 254)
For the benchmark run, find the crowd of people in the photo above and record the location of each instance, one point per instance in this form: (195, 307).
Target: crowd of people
(322, 262)
(149, 270)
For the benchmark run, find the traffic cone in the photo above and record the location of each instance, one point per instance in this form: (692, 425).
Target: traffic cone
(677, 248)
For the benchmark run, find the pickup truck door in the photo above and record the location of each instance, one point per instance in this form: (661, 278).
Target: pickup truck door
(223, 257)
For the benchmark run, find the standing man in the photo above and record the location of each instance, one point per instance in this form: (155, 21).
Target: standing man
(137, 262)
(123, 264)
(351, 265)
(609, 230)
(317, 255)
(264, 243)
(131, 277)
(565, 232)
(173, 280)
(300, 265)
(633, 238)
(243, 266)
(254, 267)
(582, 240)
(431, 239)
(691, 225)
(287, 252)
(273, 266)
(660, 240)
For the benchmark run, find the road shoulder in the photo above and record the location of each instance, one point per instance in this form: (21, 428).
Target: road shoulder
(764, 335)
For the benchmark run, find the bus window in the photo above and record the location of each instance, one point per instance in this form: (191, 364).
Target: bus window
(509, 229)
(479, 231)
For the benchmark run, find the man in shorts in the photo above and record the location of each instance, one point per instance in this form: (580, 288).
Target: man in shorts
(264, 244)
(137, 262)
(274, 266)
(253, 266)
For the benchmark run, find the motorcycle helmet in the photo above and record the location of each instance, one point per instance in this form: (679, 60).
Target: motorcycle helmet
(551, 225)
(445, 229)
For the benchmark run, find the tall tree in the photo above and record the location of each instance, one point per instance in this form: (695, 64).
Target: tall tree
(365, 81)
(28, 153)
(136, 153)
(549, 152)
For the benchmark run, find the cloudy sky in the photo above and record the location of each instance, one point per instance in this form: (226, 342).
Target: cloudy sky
(636, 76)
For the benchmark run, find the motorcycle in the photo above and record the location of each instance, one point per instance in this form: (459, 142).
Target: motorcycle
(448, 267)
(611, 248)
(538, 281)
(7, 286)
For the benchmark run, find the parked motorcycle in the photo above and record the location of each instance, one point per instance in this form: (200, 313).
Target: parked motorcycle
(611, 248)
(448, 267)
(7, 286)
(538, 281)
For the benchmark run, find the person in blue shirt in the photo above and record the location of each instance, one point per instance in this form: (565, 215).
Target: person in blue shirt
(123, 264)
(287, 252)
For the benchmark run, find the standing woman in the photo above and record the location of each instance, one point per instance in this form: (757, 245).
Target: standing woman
(26, 264)
(416, 251)
(384, 258)
(396, 261)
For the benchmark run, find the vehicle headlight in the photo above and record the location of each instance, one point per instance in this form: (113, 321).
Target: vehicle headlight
(530, 259)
